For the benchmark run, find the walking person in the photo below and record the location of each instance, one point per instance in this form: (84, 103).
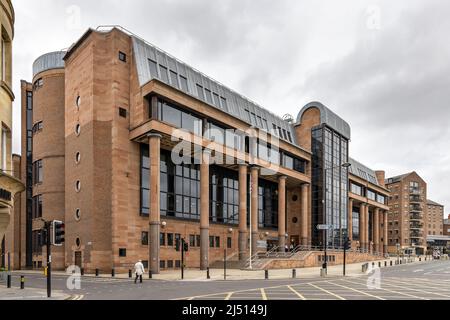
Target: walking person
(139, 271)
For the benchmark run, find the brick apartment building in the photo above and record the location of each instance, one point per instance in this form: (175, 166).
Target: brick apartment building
(99, 123)
(446, 226)
(435, 219)
(407, 213)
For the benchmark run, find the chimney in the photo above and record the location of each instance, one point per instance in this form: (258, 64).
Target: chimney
(381, 176)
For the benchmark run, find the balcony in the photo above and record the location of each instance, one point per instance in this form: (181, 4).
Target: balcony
(416, 235)
(415, 208)
(417, 243)
(415, 216)
(415, 199)
(416, 225)
(414, 191)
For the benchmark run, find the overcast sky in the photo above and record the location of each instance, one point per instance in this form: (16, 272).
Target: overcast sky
(383, 66)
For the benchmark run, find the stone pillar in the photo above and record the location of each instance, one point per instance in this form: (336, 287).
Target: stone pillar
(350, 220)
(385, 237)
(305, 220)
(366, 228)
(243, 232)
(204, 211)
(155, 213)
(282, 213)
(376, 230)
(362, 236)
(254, 205)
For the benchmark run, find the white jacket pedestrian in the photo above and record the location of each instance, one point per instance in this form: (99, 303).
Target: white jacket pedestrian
(139, 268)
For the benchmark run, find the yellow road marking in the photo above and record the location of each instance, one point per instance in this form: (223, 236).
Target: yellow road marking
(392, 291)
(356, 290)
(296, 292)
(228, 297)
(263, 294)
(324, 290)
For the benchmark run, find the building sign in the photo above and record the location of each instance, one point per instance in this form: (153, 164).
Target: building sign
(5, 195)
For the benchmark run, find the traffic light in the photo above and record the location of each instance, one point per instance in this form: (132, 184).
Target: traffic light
(185, 247)
(177, 245)
(58, 232)
(347, 244)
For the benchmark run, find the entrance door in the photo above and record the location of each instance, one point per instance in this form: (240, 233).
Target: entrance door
(78, 259)
(295, 241)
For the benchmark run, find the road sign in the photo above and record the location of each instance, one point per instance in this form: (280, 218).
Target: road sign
(324, 226)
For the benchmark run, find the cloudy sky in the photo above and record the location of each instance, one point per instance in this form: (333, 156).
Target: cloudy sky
(381, 65)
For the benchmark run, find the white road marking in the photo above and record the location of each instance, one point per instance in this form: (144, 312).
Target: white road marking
(324, 290)
(419, 290)
(356, 290)
(296, 292)
(392, 291)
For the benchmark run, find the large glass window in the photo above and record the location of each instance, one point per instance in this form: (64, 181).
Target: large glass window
(179, 184)
(180, 119)
(224, 196)
(355, 224)
(268, 204)
(356, 189)
(381, 199)
(371, 195)
(294, 163)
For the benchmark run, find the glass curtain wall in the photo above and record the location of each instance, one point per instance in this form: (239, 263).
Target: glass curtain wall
(330, 186)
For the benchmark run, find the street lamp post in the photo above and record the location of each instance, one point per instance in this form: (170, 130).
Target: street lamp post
(344, 165)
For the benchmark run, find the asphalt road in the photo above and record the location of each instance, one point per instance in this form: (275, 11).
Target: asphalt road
(418, 281)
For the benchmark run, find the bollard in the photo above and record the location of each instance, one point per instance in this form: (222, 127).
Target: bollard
(22, 282)
(82, 271)
(129, 274)
(379, 264)
(373, 265)
(97, 272)
(8, 281)
(401, 261)
(113, 273)
(391, 263)
(420, 259)
(385, 263)
(150, 274)
(208, 276)
(294, 274)
(266, 274)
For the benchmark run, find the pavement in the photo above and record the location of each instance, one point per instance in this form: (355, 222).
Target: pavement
(428, 280)
(30, 294)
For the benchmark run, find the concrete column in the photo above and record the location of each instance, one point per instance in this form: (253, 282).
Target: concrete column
(350, 219)
(282, 212)
(362, 236)
(385, 237)
(366, 228)
(305, 220)
(155, 213)
(204, 211)
(376, 230)
(243, 232)
(255, 205)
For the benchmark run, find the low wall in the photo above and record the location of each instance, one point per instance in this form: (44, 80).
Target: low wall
(316, 259)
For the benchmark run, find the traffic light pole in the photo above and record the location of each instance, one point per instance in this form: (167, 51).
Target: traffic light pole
(49, 261)
(182, 259)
